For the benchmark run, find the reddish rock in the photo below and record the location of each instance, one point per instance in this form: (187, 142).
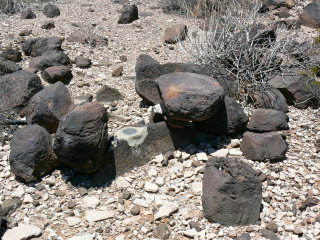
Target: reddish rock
(175, 33)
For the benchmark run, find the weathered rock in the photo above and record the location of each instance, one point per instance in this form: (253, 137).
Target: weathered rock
(108, 94)
(318, 145)
(49, 59)
(82, 62)
(134, 146)
(85, 38)
(262, 146)
(48, 25)
(16, 89)
(48, 106)
(10, 206)
(230, 119)
(51, 11)
(162, 231)
(294, 87)
(7, 67)
(79, 100)
(270, 99)
(117, 72)
(175, 33)
(232, 192)
(269, 234)
(11, 54)
(129, 13)
(22, 232)
(37, 46)
(81, 138)
(27, 14)
(57, 73)
(31, 155)
(189, 96)
(310, 16)
(147, 70)
(244, 236)
(268, 120)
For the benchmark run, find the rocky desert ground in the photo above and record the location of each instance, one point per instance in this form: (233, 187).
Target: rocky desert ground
(162, 198)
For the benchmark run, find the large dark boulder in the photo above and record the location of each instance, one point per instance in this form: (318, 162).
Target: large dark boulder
(57, 73)
(31, 155)
(310, 16)
(7, 67)
(268, 120)
(49, 59)
(295, 88)
(11, 54)
(189, 96)
(48, 106)
(51, 11)
(129, 13)
(229, 120)
(263, 146)
(81, 139)
(37, 46)
(148, 69)
(17, 88)
(231, 192)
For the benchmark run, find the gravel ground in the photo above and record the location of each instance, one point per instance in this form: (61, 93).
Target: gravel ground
(63, 211)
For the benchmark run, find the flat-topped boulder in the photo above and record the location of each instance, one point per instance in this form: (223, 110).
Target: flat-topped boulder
(189, 96)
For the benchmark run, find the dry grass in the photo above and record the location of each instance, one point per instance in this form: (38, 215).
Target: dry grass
(11, 6)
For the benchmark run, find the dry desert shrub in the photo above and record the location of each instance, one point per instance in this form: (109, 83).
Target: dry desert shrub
(11, 6)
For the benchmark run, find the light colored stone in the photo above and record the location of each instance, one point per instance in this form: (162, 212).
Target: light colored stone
(141, 203)
(22, 232)
(166, 210)
(160, 181)
(121, 183)
(18, 193)
(151, 187)
(83, 237)
(28, 199)
(91, 201)
(220, 153)
(152, 172)
(72, 221)
(197, 187)
(202, 156)
(95, 216)
(235, 152)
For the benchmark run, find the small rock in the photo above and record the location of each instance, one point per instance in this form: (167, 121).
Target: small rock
(48, 25)
(269, 234)
(151, 187)
(117, 72)
(162, 231)
(22, 232)
(195, 225)
(51, 11)
(91, 202)
(135, 210)
(166, 210)
(95, 216)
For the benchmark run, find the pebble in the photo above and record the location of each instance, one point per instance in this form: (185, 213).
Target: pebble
(197, 187)
(84, 237)
(18, 193)
(220, 153)
(202, 156)
(151, 187)
(135, 210)
(95, 216)
(91, 202)
(22, 232)
(72, 221)
(166, 210)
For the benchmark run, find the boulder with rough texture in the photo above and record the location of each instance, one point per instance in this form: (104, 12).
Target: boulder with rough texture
(48, 106)
(189, 96)
(263, 146)
(37, 46)
(310, 16)
(85, 38)
(17, 88)
(27, 14)
(11, 54)
(232, 192)
(51, 11)
(31, 155)
(270, 99)
(175, 33)
(294, 87)
(230, 119)
(7, 67)
(108, 94)
(49, 59)
(268, 120)
(81, 139)
(57, 73)
(129, 13)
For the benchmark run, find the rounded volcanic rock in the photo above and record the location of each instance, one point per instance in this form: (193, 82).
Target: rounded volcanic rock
(189, 96)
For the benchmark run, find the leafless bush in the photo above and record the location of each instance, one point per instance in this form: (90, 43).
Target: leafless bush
(237, 43)
(11, 6)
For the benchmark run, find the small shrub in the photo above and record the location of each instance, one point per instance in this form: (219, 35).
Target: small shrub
(237, 43)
